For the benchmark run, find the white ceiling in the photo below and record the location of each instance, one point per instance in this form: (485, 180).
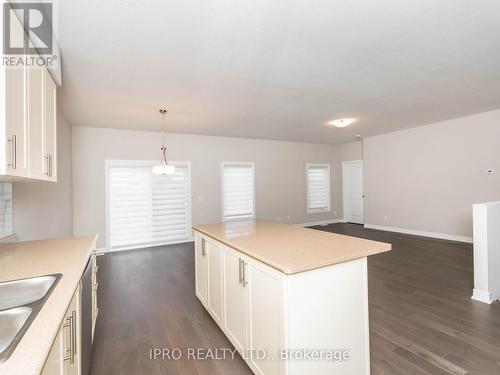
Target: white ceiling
(278, 69)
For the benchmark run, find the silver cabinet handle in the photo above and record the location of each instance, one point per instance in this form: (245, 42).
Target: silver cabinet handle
(68, 323)
(50, 165)
(48, 158)
(244, 274)
(203, 249)
(240, 271)
(74, 345)
(47, 162)
(13, 151)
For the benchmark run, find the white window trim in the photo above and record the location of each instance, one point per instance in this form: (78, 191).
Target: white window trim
(329, 207)
(143, 163)
(230, 164)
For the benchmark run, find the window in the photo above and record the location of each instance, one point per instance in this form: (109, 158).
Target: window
(238, 191)
(6, 227)
(144, 209)
(318, 187)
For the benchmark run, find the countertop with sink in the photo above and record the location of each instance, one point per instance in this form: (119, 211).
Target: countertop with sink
(21, 260)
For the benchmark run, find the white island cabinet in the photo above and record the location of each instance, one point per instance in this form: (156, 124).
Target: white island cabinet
(291, 300)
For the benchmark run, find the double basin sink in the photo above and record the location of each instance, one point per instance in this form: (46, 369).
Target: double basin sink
(20, 302)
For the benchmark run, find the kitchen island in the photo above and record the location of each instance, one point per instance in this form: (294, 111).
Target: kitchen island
(291, 300)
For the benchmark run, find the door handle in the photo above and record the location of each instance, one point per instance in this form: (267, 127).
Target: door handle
(203, 245)
(13, 151)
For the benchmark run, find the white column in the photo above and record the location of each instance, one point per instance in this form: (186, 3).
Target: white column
(486, 252)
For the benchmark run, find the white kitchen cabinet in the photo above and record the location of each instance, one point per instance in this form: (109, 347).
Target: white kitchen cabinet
(265, 309)
(64, 357)
(16, 147)
(35, 114)
(215, 281)
(54, 363)
(235, 299)
(28, 128)
(201, 269)
(50, 126)
(71, 336)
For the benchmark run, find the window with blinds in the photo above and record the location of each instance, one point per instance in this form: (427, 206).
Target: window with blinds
(145, 209)
(6, 225)
(238, 191)
(318, 187)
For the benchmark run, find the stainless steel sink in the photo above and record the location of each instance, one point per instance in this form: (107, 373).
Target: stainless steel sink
(22, 292)
(11, 322)
(20, 302)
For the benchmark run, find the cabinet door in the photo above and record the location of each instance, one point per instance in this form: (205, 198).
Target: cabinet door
(201, 269)
(71, 336)
(35, 116)
(235, 300)
(54, 363)
(50, 126)
(16, 121)
(215, 281)
(266, 326)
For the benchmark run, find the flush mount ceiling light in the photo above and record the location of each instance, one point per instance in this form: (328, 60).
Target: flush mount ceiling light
(163, 169)
(342, 122)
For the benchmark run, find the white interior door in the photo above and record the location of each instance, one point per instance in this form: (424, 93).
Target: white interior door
(353, 191)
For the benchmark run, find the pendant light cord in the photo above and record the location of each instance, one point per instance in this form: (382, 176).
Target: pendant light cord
(163, 146)
(163, 113)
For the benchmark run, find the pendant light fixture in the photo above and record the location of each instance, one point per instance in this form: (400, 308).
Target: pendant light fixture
(163, 169)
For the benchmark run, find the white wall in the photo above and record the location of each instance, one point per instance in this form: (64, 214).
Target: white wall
(279, 166)
(44, 209)
(427, 178)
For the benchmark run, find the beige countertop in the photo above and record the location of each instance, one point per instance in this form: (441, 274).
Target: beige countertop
(288, 248)
(19, 260)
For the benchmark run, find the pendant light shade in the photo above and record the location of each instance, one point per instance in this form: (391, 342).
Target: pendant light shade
(163, 169)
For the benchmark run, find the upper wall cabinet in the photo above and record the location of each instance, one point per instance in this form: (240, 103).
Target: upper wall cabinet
(28, 127)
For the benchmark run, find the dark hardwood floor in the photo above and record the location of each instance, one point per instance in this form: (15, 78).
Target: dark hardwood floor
(422, 320)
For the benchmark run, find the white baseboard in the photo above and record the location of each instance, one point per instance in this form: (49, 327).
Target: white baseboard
(324, 222)
(442, 236)
(482, 296)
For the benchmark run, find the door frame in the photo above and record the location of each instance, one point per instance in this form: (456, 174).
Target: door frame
(346, 188)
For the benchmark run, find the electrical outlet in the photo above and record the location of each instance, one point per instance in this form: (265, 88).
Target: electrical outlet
(386, 218)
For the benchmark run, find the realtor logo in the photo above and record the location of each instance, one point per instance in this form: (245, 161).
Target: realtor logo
(36, 19)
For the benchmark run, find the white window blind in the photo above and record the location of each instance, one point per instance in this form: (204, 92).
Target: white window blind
(6, 226)
(318, 187)
(238, 190)
(145, 209)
